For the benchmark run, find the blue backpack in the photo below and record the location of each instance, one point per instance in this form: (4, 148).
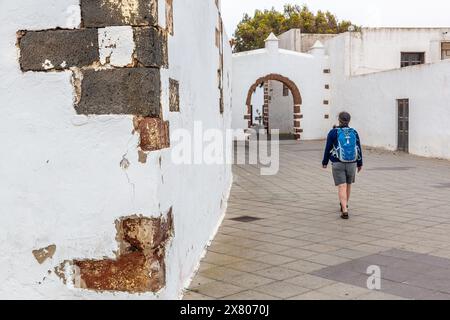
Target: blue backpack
(347, 148)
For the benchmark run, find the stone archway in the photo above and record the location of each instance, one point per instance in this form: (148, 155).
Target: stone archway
(295, 93)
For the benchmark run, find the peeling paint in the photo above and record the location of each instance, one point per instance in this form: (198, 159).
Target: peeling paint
(169, 17)
(142, 156)
(124, 163)
(127, 8)
(43, 254)
(77, 78)
(154, 133)
(47, 65)
(62, 271)
(140, 263)
(116, 46)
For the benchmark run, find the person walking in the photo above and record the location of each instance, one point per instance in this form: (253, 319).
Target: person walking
(343, 149)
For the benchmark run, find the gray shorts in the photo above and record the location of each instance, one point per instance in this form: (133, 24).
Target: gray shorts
(344, 173)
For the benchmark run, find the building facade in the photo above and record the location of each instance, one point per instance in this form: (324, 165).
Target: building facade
(93, 205)
(98, 95)
(394, 81)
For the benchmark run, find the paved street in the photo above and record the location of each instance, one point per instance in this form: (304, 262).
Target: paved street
(292, 244)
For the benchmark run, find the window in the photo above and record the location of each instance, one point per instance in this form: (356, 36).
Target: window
(285, 90)
(412, 58)
(445, 50)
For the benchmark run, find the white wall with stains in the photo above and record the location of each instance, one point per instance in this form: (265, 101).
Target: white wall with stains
(372, 101)
(61, 181)
(366, 79)
(379, 49)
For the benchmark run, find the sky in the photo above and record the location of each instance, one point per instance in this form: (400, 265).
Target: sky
(366, 13)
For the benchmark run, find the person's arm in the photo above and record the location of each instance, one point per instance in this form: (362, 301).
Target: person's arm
(360, 155)
(328, 147)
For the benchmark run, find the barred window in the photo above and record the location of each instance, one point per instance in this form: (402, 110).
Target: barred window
(412, 58)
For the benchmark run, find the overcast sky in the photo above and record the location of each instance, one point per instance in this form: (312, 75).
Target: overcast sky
(367, 13)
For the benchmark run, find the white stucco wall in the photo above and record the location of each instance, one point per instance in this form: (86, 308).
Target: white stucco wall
(378, 49)
(291, 40)
(305, 70)
(295, 40)
(372, 101)
(60, 178)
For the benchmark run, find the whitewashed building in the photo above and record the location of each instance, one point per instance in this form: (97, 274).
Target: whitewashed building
(93, 207)
(394, 81)
(94, 94)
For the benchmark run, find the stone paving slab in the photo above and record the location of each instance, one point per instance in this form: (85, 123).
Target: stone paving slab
(403, 273)
(297, 247)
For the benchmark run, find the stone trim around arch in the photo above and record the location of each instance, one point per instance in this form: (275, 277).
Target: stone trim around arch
(295, 93)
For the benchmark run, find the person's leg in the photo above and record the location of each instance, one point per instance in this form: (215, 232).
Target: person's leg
(342, 191)
(351, 177)
(340, 179)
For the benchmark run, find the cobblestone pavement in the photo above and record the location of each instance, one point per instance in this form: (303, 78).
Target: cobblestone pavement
(293, 245)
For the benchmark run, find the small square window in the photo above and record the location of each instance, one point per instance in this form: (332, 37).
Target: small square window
(327, 86)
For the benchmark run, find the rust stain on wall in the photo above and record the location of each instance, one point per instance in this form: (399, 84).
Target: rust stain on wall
(45, 253)
(60, 270)
(169, 16)
(142, 156)
(154, 133)
(140, 263)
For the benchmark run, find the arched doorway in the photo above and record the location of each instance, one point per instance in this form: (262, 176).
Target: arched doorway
(296, 103)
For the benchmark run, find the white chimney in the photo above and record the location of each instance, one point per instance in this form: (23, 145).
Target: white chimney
(272, 43)
(317, 49)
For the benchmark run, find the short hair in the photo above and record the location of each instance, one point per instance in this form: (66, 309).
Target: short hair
(344, 118)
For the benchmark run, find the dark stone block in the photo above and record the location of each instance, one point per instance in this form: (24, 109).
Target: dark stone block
(103, 13)
(58, 49)
(134, 91)
(174, 96)
(151, 47)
